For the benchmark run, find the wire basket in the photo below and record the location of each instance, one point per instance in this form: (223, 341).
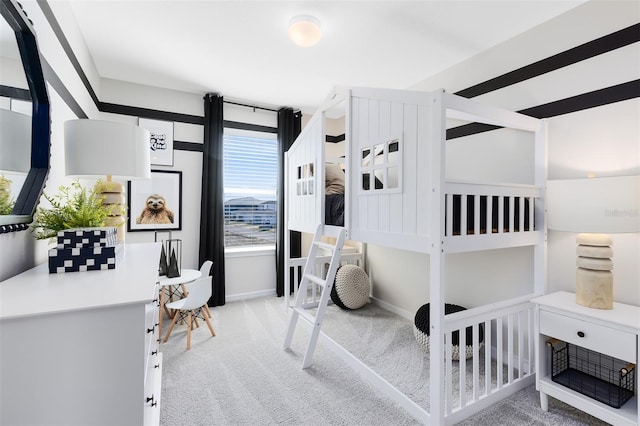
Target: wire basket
(598, 376)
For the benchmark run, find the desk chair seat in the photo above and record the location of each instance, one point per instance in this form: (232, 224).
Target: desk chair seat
(192, 307)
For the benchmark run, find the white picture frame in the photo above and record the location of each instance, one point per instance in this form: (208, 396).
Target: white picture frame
(155, 204)
(161, 140)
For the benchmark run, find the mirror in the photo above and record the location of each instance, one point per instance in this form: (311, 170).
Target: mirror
(24, 120)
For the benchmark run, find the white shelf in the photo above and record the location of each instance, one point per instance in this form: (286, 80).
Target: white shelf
(625, 415)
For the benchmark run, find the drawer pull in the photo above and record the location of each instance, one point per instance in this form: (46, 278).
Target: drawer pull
(580, 333)
(151, 330)
(154, 352)
(152, 401)
(156, 366)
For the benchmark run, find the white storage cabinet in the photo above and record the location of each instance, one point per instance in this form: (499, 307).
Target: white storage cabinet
(81, 348)
(609, 332)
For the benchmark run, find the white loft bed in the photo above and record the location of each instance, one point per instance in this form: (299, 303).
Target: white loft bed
(400, 197)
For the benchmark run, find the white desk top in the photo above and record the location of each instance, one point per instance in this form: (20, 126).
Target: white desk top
(622, 314)
(37, 292)
(186, 276)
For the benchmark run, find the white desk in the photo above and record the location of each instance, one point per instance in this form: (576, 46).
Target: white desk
(186, 276)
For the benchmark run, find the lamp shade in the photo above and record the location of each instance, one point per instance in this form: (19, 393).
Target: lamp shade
(15, 142)
(95, 148)
(603, 205)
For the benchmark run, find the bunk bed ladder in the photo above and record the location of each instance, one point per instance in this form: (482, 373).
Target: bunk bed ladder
(301, 308)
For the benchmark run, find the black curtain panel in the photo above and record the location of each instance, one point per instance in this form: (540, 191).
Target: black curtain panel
(212, 208)
(289, 126)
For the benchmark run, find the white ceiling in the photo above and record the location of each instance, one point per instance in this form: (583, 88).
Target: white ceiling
(240, 48)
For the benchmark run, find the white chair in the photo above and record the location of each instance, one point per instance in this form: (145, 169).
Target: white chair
(205, 269)
(192, 307)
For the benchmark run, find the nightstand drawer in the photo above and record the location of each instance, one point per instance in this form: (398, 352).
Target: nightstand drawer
(606, 340)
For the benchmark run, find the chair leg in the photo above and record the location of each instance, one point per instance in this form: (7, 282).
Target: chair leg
(206, 319)
(189, 327)
(207, 311)
(173, 323)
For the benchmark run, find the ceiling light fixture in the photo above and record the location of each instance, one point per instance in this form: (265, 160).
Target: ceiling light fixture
(304, 30)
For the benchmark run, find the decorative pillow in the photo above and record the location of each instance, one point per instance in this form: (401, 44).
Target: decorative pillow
(421, 332)
(333, 179)
(351, 287)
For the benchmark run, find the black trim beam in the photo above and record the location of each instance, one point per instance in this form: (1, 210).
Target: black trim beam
(150, 113)
(188, 146)
(593, 99)
(596, 98)
(15, 93)
(57, 30)
(53, 79)
(587, 50)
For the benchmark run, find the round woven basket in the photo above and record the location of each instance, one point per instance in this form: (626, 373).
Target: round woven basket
(421, 331)
(351, 287)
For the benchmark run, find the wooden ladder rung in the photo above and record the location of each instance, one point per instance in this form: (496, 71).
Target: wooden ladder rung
(306, 315)
(316, 280)
(324, 245)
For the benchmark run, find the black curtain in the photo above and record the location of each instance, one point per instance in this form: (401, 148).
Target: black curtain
(212, 208)
(289, 126)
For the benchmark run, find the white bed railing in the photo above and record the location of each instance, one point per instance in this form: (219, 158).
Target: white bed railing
(485, 216)
(503, 362)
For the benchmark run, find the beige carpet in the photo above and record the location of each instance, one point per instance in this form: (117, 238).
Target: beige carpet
(244, 377)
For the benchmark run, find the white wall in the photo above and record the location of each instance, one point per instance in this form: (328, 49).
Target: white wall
(246, 275)
(603, 139)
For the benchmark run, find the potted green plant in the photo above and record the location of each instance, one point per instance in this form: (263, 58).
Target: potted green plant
(73, 207)
(6, 204)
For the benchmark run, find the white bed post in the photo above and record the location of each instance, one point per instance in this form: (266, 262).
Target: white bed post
(540, 177)
(287, 262)
(437, 161)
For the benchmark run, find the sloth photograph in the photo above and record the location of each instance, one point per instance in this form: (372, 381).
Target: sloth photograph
(155, 211)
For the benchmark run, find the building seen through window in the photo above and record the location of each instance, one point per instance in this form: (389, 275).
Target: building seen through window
(250, 181)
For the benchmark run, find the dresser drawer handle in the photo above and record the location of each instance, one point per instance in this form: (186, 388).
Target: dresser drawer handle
(580, 333)
(152, 401)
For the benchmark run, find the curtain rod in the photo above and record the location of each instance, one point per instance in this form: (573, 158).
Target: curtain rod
(250, 106)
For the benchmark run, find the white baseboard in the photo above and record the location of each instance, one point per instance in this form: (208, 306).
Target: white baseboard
(393, 309)
(249, 295)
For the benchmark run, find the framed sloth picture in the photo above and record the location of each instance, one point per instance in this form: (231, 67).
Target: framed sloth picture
(155, 204)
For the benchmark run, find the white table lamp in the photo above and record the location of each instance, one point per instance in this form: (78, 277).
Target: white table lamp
(595, 208)
(96, 148)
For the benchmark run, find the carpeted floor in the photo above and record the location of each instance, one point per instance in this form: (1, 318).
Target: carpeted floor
(244, 377)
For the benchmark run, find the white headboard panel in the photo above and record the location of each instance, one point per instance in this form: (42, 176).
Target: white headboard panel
(305, 177)
(389, 134)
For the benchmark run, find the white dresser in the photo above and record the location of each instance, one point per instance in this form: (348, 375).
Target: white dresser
(610, 332)
(81, 348)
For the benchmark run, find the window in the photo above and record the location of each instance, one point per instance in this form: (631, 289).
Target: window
(380, 167)
(250, 182)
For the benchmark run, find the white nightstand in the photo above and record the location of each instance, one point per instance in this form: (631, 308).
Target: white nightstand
(610, 332)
